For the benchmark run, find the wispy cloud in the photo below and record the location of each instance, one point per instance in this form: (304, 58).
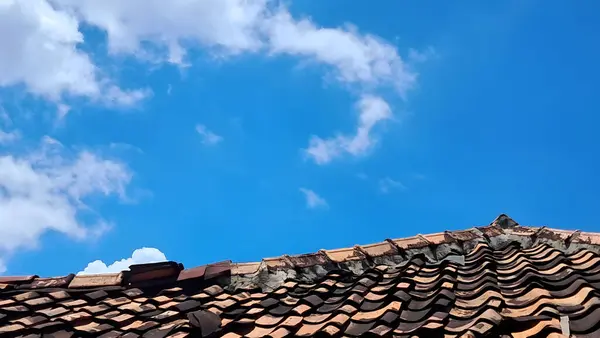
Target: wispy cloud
(421, 56)
(9, 136)
(208, 137)
(387, 185)
(313, 201)
(362, 176)
(373, 109)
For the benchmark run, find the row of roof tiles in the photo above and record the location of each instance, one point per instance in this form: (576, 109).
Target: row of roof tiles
(141, 274)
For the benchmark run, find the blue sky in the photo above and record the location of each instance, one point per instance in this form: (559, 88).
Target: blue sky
(285, 128)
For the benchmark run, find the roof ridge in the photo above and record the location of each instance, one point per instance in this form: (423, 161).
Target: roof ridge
(435, 245)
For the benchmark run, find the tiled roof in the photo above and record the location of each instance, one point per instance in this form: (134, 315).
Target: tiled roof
(493, 281)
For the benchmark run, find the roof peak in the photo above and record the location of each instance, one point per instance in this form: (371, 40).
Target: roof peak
(504, 221)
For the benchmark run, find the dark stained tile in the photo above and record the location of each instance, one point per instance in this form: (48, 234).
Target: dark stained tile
(206, 321)
(96, 295)
(111, 334)
(188, 305)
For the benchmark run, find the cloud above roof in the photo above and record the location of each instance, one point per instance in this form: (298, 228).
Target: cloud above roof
(34, 30)
(372, 110)
(313, 200)
(46, 189)
(168, 31)
(139, 256)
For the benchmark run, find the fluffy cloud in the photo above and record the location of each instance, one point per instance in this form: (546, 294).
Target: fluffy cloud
(234, 26)
(46, 190)
(313, 201)
(165, 31)
(208, 137)
(139, 256)
(33, 30)
(39, 51)
(230, 25)
(372, 110)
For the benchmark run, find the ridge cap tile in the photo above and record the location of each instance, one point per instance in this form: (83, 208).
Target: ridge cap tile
(218, 269)
(308, 259)
(341, 255)
(192, 273)
(247, 268)
(52, 282)
(414, 242)
(384, 248)
(96, 280)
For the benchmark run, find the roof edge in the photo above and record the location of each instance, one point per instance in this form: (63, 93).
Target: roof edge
(436, 247)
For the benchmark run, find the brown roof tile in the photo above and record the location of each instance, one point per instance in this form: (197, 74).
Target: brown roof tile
(16, 279)
(504, 280)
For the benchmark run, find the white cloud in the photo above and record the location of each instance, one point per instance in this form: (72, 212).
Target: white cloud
(387, 184)
(46, 190)
(363, 59)
(313, 201)
(139, 256)
(236, 26)
(421, 56)
(165, 31)
(39, 51)
(373, 110)
(208, 137)
(230, 25)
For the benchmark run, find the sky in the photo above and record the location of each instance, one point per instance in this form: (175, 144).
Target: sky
(204, 130)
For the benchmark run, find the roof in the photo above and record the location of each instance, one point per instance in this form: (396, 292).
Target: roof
(503, 279)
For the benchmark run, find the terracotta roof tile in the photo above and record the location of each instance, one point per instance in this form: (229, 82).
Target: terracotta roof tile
(16, 279)
(504, 280)
(244, 268)
(91, 281)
